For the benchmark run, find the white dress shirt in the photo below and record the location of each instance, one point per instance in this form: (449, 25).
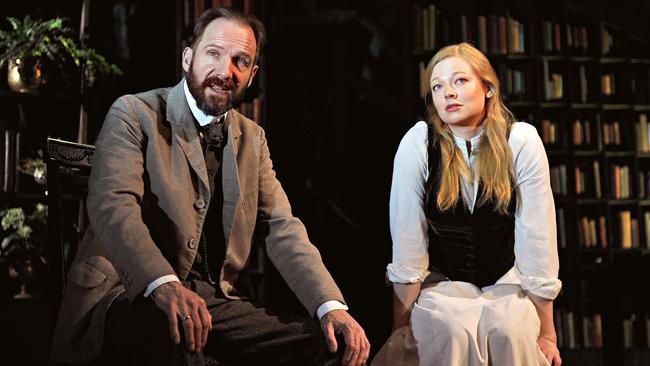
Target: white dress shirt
(536, 260)
(204, 120)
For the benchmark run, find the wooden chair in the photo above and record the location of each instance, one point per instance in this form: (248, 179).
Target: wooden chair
(68, 168)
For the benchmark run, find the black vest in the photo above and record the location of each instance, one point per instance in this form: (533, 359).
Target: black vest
(475, 247)
(210, 255)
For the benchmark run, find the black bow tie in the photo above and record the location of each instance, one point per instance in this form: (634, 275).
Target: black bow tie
(213, 135)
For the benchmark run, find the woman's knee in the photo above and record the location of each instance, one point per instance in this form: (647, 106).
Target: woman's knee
(438, 325)
(512, 329)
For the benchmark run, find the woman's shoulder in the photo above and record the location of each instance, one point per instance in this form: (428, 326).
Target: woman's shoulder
(416, 135)
(414, 143)
(523, 131)
(523, 134)
(418, 130)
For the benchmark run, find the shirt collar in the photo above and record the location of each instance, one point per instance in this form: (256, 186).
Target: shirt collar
(202, 118)
(461, 142)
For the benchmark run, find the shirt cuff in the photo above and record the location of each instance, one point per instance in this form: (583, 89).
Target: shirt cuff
(400, 274)
(329, 306)
(547, 288)
(160, 281)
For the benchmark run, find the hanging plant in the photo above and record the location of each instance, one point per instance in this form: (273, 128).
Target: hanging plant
(52, 41)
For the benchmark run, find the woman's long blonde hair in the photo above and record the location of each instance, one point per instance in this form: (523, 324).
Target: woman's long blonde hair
(494, 159)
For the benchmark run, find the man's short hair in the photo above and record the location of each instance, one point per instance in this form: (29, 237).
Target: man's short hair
(224, 12)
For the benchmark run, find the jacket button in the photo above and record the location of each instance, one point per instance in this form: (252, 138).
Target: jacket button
(200, 204)
(191, 244)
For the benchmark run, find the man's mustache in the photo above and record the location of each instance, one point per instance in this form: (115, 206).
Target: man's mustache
(223, 84)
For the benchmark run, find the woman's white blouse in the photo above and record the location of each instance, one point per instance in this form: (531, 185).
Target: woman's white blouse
(536, 261)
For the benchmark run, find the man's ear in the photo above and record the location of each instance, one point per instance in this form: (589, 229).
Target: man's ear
(187, 59)
(253, 72)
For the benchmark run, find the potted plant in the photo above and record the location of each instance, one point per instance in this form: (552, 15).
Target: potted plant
(31, 44)
(23, 244)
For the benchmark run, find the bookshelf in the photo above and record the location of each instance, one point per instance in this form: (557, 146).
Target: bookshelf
(583, 81)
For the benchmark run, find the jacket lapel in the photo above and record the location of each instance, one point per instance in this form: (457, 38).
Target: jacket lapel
(185, 134)
(230, 173)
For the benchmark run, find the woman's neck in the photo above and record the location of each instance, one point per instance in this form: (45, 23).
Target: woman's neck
(466, 132)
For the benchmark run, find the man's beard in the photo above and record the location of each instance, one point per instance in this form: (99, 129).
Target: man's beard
(212, 105)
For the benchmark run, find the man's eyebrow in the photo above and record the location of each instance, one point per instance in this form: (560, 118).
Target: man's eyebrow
(212, 45)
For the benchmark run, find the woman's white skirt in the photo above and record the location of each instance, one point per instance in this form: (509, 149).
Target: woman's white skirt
(456, 323)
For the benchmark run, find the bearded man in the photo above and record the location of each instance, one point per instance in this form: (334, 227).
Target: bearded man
(178, 184)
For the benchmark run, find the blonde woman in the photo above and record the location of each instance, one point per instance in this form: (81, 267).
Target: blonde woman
(473, 226)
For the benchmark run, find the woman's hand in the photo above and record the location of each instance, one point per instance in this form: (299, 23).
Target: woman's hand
(547, 340)
(548, 346)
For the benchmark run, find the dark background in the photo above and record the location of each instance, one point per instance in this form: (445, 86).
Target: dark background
(338, 96)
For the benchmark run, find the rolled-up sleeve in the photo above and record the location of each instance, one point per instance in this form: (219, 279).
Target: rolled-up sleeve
(408, 223)
(536, 257)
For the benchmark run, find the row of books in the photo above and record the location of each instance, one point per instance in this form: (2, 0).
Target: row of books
(516, 36)
(621, 181)
(592, 232)
(642, 131)
(583, 86)
(513, 81)
(559, 180)
(549, 132)
(501, 34)
(612, 133)
(608, 84)
(424, 27)
(636, 331)
(587, 180)
(644, 184)
(606, 41)
(578, 332)
(628, 230)
(582, 133)
(577, 37)
(552, 83)
(498, 35)
(551, 37)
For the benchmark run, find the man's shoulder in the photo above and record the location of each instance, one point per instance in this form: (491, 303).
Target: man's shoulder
(155, 99)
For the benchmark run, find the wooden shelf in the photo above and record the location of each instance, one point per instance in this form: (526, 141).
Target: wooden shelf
(46, 96)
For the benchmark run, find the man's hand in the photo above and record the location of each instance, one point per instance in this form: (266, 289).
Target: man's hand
(357, 347)
(550, 351)
(185, 306)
